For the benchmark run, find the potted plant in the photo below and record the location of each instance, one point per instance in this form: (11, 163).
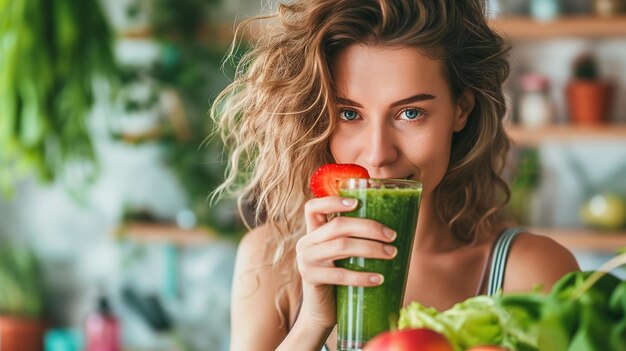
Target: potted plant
(22, 325)
(588, 96)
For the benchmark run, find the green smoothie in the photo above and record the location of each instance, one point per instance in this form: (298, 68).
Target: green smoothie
(364, 312)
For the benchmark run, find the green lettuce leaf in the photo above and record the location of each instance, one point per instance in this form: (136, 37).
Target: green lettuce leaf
(479, 320)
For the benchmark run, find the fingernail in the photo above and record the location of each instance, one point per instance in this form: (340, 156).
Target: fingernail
(348, 202)
(391, 234)
(391, 250)
(377, 278)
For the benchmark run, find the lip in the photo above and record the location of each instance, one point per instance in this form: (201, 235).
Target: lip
(409, 177)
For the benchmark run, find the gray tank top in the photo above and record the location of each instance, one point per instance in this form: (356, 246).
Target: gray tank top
(498, 257)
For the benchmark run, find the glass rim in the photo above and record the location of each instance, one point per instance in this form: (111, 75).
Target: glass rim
(387, 183)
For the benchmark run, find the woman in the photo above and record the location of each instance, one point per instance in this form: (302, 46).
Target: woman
(406, 89)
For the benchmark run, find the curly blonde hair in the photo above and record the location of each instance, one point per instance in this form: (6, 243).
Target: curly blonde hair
(275, 117)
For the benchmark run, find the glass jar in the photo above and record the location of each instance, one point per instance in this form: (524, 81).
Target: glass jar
(545, 10)
(535, 106)
(608, 8)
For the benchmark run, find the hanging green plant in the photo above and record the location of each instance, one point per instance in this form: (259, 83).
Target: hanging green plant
(51, 51)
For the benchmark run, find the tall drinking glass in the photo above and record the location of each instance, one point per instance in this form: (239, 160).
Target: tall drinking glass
(363, 312)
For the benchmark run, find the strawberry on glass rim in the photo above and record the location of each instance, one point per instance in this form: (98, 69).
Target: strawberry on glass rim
(324, 180)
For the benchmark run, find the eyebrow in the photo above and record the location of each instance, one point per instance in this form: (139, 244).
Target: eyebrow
(411, 99)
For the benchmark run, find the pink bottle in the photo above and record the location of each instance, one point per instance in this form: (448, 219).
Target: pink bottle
(102, 329)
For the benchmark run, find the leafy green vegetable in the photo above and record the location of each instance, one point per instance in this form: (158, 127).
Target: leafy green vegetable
(570, 318)
(585, 311)
(617, 309)
(479, 320)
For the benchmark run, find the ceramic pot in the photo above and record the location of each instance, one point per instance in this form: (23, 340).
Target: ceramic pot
(21, 334)
(589, 101)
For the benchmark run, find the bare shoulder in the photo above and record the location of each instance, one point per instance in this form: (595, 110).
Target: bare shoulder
(255, 320)
(254, 273)
(536, 260)
(253, 251)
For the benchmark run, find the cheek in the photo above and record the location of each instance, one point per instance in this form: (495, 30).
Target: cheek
(346, 144)
(343, 148)
(432, 158)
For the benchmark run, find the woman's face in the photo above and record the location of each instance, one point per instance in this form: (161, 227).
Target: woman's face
(396, 113)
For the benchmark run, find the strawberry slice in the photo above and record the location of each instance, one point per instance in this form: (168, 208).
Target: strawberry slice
(324, 180)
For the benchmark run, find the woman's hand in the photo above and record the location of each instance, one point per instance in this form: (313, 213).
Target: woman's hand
(327, 241)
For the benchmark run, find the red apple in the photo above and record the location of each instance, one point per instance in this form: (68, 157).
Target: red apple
(418, 339)
(487, 348)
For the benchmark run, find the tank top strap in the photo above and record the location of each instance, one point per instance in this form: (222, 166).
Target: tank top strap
(499, 257)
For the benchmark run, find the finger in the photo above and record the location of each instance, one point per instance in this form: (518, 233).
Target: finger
(353, 227)
(317, 210)
(345, 247)
(342, 276)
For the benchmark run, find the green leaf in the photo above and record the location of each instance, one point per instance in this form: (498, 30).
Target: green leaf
(617, 303)
(32, 120)
(592, 334)
(559, 322)
(617, 337)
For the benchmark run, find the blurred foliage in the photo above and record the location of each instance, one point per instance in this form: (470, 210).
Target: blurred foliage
(523, 185)
(182, 20)
(21, 287)
(50, 54)
(191, 67)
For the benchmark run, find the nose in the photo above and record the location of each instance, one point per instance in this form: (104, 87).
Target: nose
(381, 149)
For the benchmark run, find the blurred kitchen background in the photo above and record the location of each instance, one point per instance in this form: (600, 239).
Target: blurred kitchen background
(105, 165)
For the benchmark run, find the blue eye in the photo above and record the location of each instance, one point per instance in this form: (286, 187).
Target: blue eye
(348, 115)
(411, 114)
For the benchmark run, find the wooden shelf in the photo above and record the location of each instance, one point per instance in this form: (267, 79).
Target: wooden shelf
(585, 240)
(535, 136)
(218, 32)
(162, 233)
(143, 33)
(573, 239)
(525, 28)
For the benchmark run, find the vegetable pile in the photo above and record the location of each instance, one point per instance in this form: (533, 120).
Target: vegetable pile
(585, 311)
(479, 320)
